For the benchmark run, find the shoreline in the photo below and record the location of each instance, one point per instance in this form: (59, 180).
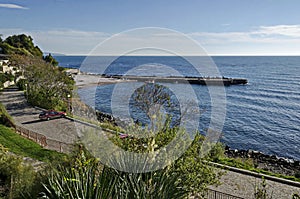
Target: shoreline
(271, 163)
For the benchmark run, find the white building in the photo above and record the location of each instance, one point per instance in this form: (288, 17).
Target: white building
(4, 64)
(6, 68)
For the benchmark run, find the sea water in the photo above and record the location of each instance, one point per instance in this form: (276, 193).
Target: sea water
(263, 115)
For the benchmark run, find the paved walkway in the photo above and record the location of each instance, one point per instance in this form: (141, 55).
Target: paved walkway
(64, 130)
(244, 185)
(61, 129)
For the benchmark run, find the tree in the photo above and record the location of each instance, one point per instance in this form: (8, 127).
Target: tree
(49, 59)
(152, 99)
(48, 87)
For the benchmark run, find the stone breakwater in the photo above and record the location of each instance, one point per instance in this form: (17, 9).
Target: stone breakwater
(217, 81)
(266, 162)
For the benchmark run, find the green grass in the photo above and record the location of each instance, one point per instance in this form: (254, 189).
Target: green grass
(24, 147)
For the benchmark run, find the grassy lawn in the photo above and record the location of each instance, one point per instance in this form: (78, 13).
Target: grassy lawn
(24, 147)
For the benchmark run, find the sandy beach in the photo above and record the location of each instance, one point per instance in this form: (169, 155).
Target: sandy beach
(83, 80)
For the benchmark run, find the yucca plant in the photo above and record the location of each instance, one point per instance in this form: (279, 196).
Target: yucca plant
(85, 179)
(88, 179)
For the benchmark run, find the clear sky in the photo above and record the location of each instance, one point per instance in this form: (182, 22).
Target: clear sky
(222, 27)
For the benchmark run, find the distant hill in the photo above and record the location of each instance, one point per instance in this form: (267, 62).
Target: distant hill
(23, 45)
(20, 44)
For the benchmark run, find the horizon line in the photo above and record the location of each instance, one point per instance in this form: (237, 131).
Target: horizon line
(191, 55)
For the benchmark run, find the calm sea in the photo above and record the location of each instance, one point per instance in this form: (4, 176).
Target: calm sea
(263, 115)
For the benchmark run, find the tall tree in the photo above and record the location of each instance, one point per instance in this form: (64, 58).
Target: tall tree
(50, 59)
(48, 86)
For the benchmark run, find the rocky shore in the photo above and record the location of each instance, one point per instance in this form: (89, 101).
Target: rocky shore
(266, 162)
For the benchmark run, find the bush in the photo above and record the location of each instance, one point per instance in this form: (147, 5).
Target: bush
(261, 190)
(5, 118)
(21, 84)
(5, 77)
(17, 178)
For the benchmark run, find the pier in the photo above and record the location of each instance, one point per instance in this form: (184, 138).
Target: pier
(177, 79)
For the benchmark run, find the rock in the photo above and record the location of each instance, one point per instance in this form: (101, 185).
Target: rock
(271, 163)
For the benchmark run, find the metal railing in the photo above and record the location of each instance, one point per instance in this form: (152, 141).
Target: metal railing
(43, 141)
(213, 194)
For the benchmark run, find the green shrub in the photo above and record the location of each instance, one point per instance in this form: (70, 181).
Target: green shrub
(5, 118)
(17, 177)
(21, 84)
(261, 190)
(49, 59)
(20, 44)
(6, 77)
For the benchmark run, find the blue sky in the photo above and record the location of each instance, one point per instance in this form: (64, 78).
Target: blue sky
(222, 27)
